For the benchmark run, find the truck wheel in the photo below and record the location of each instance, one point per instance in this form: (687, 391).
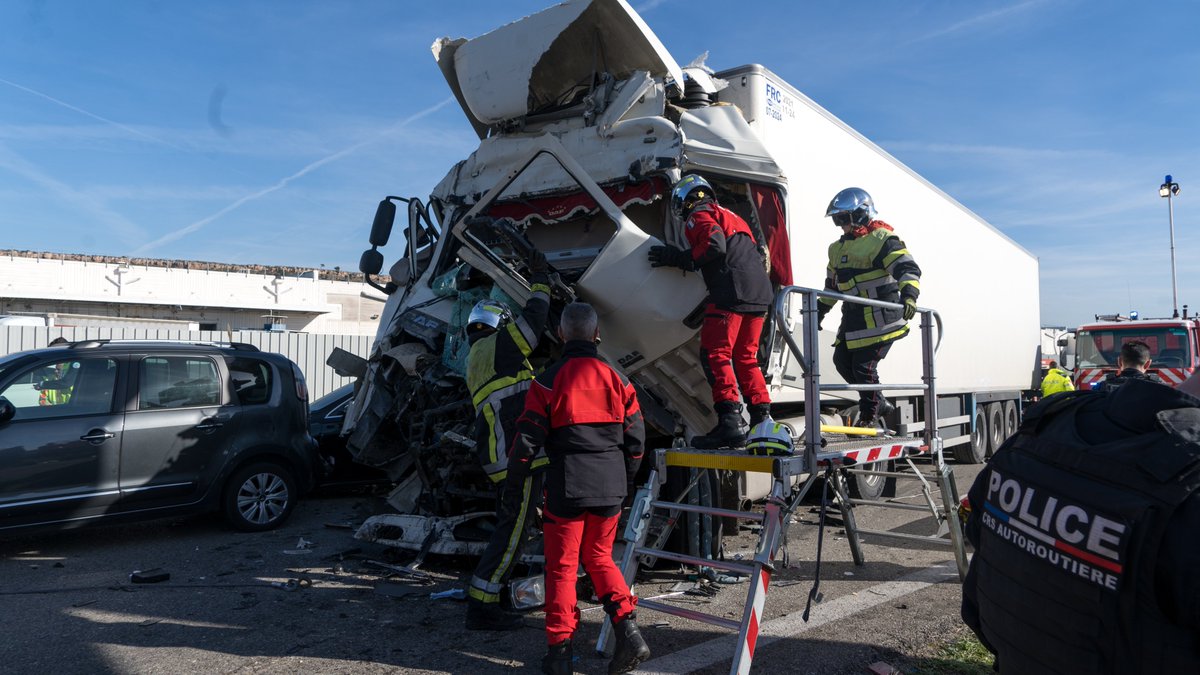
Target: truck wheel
(259, 497)
(873, 487)
(708, 494)
(975, 451)
(995, 418)
(1011, 420)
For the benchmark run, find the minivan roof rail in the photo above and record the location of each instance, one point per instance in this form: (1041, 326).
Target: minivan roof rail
(92, 344)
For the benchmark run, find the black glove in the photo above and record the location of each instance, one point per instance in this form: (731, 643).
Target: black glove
(537, 263)
(910, 308)
(669, 256)
(822, 310)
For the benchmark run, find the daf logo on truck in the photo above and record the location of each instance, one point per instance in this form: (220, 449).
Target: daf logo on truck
(779, 104)
(1068, 536)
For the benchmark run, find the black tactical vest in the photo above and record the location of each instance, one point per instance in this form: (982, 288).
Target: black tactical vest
(1069, 535)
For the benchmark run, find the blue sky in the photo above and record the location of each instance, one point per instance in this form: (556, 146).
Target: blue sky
(266, 131)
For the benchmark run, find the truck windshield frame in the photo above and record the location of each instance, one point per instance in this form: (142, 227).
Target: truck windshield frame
(1170, 346)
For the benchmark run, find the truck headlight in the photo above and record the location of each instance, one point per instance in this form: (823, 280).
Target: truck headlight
(528, 593)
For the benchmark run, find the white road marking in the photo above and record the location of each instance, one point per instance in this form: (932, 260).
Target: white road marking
(721, 649)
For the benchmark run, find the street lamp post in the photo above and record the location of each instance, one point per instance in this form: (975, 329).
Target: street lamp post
(1169, 189)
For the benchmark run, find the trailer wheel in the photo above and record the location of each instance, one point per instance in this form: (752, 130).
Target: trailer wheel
(873, 487)
(1011, 420)
(975, 451)
(996, 435)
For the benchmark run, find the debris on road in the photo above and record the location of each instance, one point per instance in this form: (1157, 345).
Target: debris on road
(152, 576)
(292, 584)
(452, 594)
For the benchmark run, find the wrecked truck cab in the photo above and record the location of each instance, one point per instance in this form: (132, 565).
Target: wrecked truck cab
(583, 131)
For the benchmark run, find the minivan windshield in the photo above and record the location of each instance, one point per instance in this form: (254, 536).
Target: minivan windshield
(1169, 346)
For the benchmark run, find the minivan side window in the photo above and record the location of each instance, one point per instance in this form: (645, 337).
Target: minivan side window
(177, 382)
(252, 380)
(63, 389)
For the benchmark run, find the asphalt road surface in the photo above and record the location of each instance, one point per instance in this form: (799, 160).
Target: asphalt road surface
(67, 604)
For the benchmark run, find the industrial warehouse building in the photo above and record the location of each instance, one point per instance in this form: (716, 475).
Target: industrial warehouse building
(300, 312)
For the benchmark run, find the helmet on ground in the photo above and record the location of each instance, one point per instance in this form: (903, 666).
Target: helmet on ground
(487, 315)
(852, 206)
(689, 190)
(769, 437)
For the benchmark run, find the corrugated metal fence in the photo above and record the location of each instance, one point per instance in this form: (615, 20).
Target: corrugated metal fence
(309, 351)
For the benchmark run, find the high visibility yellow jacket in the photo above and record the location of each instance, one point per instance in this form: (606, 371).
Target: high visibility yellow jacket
(872, 263)
(1056, 380)
(498, 375)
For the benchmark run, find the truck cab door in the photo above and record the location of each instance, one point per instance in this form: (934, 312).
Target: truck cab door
(641, 309)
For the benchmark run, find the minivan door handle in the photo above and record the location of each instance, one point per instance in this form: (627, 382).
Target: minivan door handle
(210, 424)
(97, 436)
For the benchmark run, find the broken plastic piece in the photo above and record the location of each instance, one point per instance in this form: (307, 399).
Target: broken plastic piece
(452, 594)
(149, 576)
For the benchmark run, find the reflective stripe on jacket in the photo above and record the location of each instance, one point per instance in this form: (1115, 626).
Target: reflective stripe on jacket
(498, 375)
(872, 264)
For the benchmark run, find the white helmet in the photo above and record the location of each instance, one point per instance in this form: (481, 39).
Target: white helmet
(769, 437)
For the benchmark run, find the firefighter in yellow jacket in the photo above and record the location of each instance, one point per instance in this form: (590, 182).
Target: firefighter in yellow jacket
(498, 376)
(868, 261)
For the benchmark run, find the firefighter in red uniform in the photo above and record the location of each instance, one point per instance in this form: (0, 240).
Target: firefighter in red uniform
(586, 416)
(739, 292)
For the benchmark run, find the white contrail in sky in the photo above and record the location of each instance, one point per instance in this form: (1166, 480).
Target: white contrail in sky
(283, 182)
(94, 116)
(128, 232)
(976, 20)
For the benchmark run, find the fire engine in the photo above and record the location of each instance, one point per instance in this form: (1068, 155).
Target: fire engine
(1173, 348)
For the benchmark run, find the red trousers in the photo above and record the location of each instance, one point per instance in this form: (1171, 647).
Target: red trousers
(729, 352)
(568, 540)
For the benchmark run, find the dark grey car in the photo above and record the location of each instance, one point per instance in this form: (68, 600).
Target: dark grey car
(102, 430)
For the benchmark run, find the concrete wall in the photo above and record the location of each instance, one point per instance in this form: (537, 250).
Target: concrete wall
(308, 350)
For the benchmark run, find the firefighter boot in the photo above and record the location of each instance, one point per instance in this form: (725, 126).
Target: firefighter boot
(491, 616)
(558, 659)
(728, 432)
(631, 648)
(759, 412)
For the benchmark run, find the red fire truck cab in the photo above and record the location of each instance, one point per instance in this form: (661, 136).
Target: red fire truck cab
(1173, 349)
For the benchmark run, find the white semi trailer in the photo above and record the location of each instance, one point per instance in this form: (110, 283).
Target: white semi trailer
(584, 122)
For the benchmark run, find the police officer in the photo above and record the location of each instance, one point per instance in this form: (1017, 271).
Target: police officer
(498, 375)
(739, 292)
(1132, 363)
(585, 415)
(868, 261)
(1084, 526)
(1055, 380)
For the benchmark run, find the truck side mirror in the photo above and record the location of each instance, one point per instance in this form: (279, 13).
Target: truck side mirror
(1062, 342)
(381, 228)
(7, 410)
(371, 262)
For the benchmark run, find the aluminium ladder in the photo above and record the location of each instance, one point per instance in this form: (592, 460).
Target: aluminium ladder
(821, 454)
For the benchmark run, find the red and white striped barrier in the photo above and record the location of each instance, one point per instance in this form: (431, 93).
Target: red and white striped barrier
(879, 453)
(763, 580)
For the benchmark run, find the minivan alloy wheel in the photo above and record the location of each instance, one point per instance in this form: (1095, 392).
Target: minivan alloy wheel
(263, 497)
